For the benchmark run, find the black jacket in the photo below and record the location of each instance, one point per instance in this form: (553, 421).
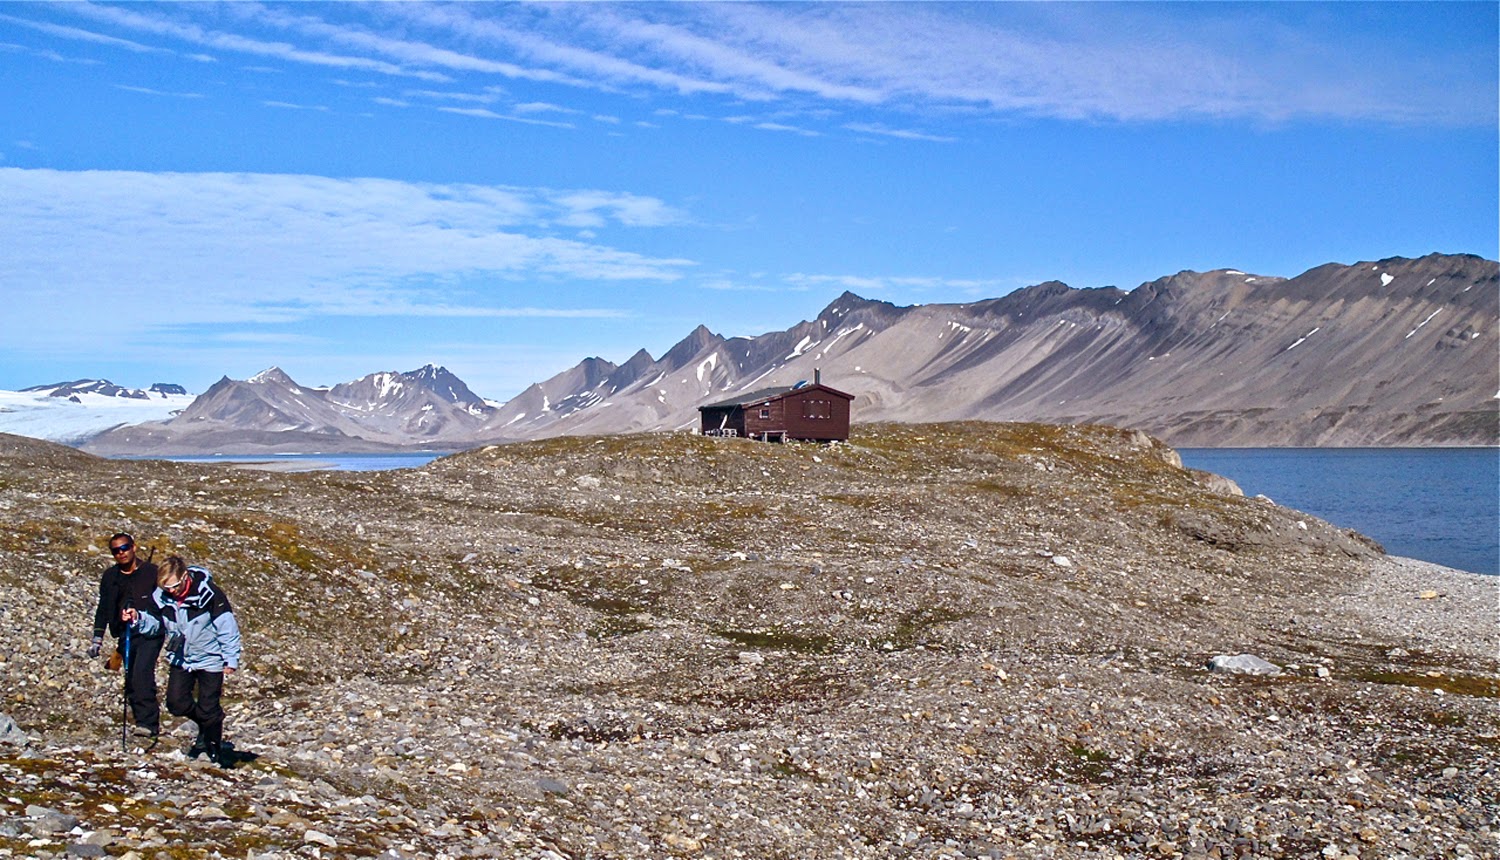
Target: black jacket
(119, 590)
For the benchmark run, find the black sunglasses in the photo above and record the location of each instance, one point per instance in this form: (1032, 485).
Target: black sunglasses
(124, 547)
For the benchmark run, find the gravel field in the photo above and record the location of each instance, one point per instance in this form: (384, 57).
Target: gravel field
(965, 640)
(1434, 607)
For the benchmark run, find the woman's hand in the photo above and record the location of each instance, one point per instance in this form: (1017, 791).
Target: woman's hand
(129, 616)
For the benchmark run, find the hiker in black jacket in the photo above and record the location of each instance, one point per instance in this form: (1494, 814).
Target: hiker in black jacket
(127, 584)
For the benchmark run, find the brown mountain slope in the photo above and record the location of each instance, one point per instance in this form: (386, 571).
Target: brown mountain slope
(1398, 352)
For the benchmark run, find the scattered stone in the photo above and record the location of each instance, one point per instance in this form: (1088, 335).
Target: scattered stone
(627, 687)
(318, 837)
(1243, 664)
(46, 821)
(11, 734)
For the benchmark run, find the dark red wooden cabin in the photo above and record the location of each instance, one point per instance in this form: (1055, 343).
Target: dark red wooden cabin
(814, 413)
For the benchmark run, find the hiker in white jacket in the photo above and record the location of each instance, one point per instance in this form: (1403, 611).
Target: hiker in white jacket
(202, 647)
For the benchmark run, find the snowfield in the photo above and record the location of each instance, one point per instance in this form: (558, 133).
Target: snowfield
(58, 419)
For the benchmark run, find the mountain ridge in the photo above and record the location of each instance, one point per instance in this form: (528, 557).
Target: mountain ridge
(1058, 353)
(1396, 352)
(271, 412)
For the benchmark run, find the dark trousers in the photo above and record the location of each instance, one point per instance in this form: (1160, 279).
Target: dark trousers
(140, 682)
(204, 709)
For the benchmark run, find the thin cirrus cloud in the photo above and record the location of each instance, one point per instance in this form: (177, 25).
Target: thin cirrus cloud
(228, 248)
(155, 92)
(78, 34)
(1132, 63)
(194, 34)
(899, 133)
(407, 52)
(1125, 62)
(886, 286)
(486, 113)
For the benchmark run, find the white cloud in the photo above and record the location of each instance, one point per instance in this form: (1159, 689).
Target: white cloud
(150, 92)
(404, 50)
(49, 55)
(182, 249)
(887, 285)
(292, 106)
(731, 284)
(78, 34)
(590, 67)
(161, 26)
(487, 97)
(1117, 62)
(543, 107)
(777, 126)
(1129, 62)
(902, 134)
(486, 113)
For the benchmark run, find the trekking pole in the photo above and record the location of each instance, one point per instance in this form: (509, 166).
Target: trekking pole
(125, 689)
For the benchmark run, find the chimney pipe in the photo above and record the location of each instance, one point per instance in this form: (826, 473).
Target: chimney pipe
(817, 376)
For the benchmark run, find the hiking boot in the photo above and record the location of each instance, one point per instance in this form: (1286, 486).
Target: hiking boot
(215, 753)
(198, 748)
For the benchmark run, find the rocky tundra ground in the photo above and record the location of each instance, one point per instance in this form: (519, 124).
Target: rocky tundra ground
(960, 640)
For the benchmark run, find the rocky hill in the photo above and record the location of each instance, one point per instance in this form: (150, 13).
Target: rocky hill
(977, 640)
(1395, 352)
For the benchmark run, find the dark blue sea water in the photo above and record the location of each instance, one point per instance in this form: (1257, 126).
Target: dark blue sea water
(1436, 504)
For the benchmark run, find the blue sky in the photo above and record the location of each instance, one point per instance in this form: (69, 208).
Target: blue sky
(196, 190)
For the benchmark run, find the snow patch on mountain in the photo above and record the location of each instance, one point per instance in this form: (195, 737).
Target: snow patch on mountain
(707, 365)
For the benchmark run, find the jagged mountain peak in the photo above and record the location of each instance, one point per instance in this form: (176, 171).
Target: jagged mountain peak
(849, 302)
(395, 392)
(271, 376)
(698, 339)
(432, 374)
(850, 310)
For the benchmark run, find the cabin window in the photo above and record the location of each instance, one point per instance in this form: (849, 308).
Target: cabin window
(817, 409)
(765, 414)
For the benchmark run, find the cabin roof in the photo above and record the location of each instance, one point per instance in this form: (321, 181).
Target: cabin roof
(765, 395)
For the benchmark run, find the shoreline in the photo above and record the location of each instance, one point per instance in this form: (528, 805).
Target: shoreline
(278, 465)
(1429, 606)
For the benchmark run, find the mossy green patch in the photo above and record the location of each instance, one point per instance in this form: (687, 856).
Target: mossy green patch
(1463, 685)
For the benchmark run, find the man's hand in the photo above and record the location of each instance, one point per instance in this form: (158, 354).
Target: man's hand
(129, 616)
(95, 646)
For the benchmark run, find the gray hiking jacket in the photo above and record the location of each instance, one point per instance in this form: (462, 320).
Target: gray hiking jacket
(201, 631)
